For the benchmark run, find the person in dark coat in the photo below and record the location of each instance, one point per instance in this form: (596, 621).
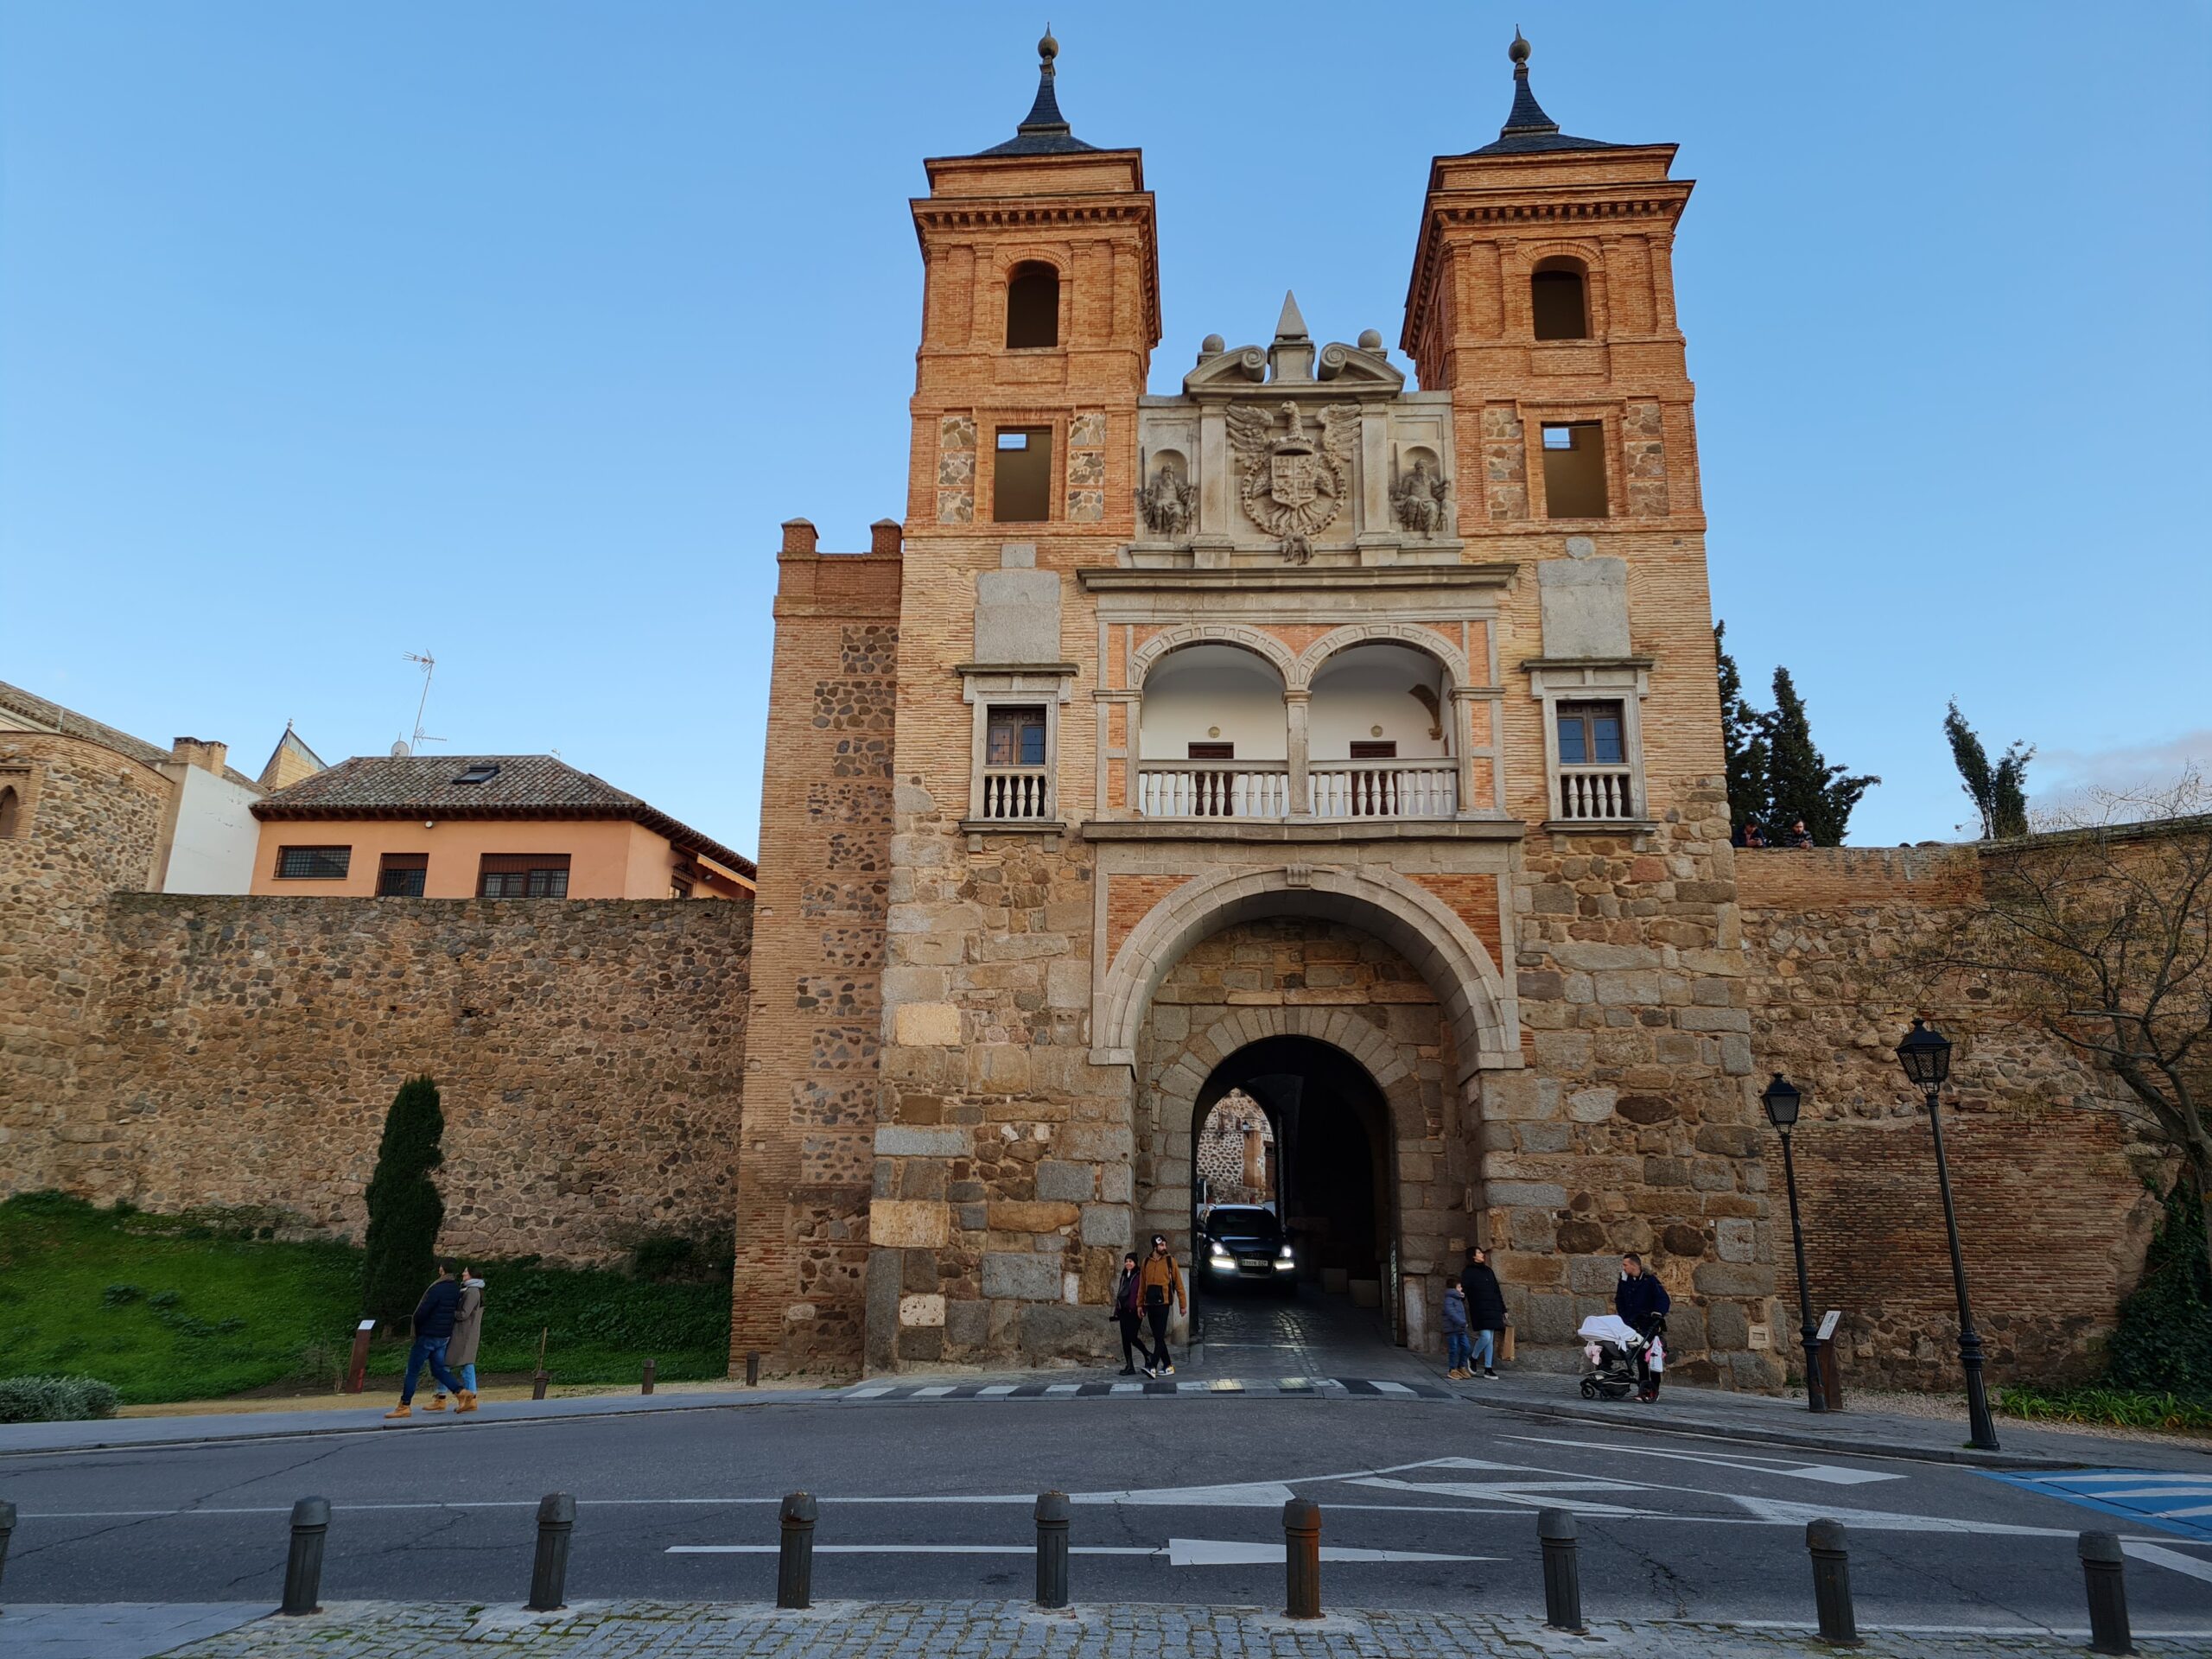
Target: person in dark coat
(433, 1318)
(1485, 1308)
(1642, 1301)
(1128, 1313)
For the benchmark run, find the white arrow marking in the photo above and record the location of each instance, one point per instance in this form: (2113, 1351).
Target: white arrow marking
(1221, 1552)
(1248, 1495)
(908, 1549)
(2170, 1558)
(1540, 1493)
(1829, 1473)
(1775, 1508)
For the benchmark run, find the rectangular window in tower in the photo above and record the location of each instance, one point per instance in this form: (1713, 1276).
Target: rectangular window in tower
(1575, 469)
(1021, 480)
(1015, 737)
(400, 875)
(1590, 735)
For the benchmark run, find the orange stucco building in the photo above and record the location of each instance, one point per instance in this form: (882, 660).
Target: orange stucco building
(481, 827)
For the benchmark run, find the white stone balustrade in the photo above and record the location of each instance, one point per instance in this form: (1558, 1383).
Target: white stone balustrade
(1596, 792)
(1214, 789)
(1385, 789)
(1016, 794)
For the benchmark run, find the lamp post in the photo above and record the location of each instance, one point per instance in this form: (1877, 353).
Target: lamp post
(1782, 1101)
(1925, 1053)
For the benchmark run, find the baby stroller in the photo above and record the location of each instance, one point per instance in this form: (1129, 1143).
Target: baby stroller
(1611, 1344)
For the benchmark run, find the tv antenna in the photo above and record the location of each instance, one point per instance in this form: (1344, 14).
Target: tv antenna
(428, 665)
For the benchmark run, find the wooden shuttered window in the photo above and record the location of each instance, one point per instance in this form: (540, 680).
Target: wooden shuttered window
(523, 876)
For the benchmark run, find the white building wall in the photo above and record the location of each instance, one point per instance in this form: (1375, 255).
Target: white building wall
(213, 850)
(1372, 685)
(1190, 693)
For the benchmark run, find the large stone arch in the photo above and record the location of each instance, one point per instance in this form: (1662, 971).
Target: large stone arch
(1410, 919)
(1255, 641)
(1428, 641)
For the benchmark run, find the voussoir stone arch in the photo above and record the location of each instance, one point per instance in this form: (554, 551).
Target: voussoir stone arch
(1177, 1092)
(1202, 633)
(1426, 641)
(1419, 925)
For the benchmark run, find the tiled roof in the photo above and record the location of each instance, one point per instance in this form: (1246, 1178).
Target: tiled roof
(1044, 131)
(524, 786)
(45, 714)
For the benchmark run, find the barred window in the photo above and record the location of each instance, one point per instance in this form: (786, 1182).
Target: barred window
(314, 863)
(400, 875)
(523, 876)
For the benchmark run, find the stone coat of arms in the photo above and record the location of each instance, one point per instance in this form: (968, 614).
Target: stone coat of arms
(1294, 485)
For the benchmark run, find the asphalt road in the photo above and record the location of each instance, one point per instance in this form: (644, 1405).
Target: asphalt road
(1177, 1499)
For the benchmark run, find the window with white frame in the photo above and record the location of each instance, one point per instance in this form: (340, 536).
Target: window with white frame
(1594, 741)
(1016, 748)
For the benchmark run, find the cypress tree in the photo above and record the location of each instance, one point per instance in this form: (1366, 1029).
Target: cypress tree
(1804, 785)
(404, 1209)
(2000, 793)
(1743, 741)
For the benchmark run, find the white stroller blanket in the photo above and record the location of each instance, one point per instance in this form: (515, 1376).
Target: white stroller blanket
(1609, 1327)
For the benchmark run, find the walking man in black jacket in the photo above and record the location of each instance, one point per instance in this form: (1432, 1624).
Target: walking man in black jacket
(434, 1318)
(1485, 1308)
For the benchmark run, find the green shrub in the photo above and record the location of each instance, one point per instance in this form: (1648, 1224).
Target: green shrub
(163, 1298)
(2164, 1340)
(54, 1399)
(2129, 1407)
(120, 1295)
(405, 1212)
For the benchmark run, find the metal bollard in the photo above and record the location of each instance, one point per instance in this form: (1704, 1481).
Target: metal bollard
(1053, 1512)
(1301, 1558)
(795, 1560)
(1557, 1531)
(7, 1531)
(549, 1570)
(2104, 1569)
(1832, 1582)
(647, 1387)
(752, 1370)
(303, 1564)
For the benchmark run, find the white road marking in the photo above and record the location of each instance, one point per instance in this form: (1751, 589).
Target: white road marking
(995, 1388)
(1127, 1387)
(1395, 1387)
(2183, 1514)
(909, 1549)
(2172, 1559)
(2117, 1477)
(1775, 1508)
(937, 1392)
(1062, 1388)
(1219, 1551)
(2154, 1491)
(1179, 1552)
(1244, 1495)
(1538, 1494)
(870, 1392)
(1829, 1473)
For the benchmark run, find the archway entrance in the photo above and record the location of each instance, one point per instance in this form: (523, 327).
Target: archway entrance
(1325, 1194)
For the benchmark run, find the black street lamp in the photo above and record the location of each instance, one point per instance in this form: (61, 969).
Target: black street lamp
(1782, 1101)
(1925, 1053)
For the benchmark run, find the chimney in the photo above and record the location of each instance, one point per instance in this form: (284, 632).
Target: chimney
(191, 752)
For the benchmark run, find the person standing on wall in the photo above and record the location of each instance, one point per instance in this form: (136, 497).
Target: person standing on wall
(1485, 1310)
(1128, 1313)
(433, 1326)
(1160, 1287)
(1642, 1301)
(460, 1350)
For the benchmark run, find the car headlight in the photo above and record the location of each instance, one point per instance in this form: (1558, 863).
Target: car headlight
(1284, 1253)
(1222, 1256)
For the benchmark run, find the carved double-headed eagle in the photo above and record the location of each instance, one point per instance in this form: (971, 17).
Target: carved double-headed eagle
(1294, 485)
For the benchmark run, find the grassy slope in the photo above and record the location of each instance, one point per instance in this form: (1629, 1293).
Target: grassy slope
(248, 1313)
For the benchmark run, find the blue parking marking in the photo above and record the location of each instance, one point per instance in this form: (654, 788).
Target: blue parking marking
(2172, 1503)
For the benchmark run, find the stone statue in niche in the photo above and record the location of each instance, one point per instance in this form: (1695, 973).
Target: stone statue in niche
(1418, 498)
(1293, 486)
(1167, 505)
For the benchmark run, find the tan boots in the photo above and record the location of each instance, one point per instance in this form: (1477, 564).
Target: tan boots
(402, 1410)
(436, 1402)
(466, 1402)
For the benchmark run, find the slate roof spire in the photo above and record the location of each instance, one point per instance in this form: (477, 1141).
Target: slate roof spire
(1528, 128)
(1044, 131)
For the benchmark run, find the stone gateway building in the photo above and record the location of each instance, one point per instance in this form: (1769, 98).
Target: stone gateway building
(1300, 733)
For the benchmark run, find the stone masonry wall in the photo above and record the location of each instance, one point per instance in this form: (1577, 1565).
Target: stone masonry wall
(244, 1050)
(89, 821)
(2053, 1214)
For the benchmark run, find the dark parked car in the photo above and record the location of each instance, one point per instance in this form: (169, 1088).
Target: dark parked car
(1244, 1243)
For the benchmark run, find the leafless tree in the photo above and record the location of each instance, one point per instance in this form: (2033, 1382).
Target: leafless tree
(2098, 930)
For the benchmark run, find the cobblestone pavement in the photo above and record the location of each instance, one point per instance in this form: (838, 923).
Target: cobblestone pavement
(999, 1629)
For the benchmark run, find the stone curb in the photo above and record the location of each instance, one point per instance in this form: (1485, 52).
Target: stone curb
(1758, 1434)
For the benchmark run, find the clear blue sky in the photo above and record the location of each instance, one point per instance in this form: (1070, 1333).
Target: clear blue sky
(511, 331)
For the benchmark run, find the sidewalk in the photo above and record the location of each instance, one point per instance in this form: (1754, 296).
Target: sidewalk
(999, 1629)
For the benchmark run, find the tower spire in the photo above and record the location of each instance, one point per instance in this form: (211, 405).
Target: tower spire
(1043, 130)
(1528, 116)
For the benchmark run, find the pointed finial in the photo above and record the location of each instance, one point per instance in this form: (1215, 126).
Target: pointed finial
(1047, 50)
(1528, 116)
(1290, 325)
(1519, 50)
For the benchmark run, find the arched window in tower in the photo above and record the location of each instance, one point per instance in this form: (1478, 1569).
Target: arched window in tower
(1559, 301)
(1033, 306)
(11, 813)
